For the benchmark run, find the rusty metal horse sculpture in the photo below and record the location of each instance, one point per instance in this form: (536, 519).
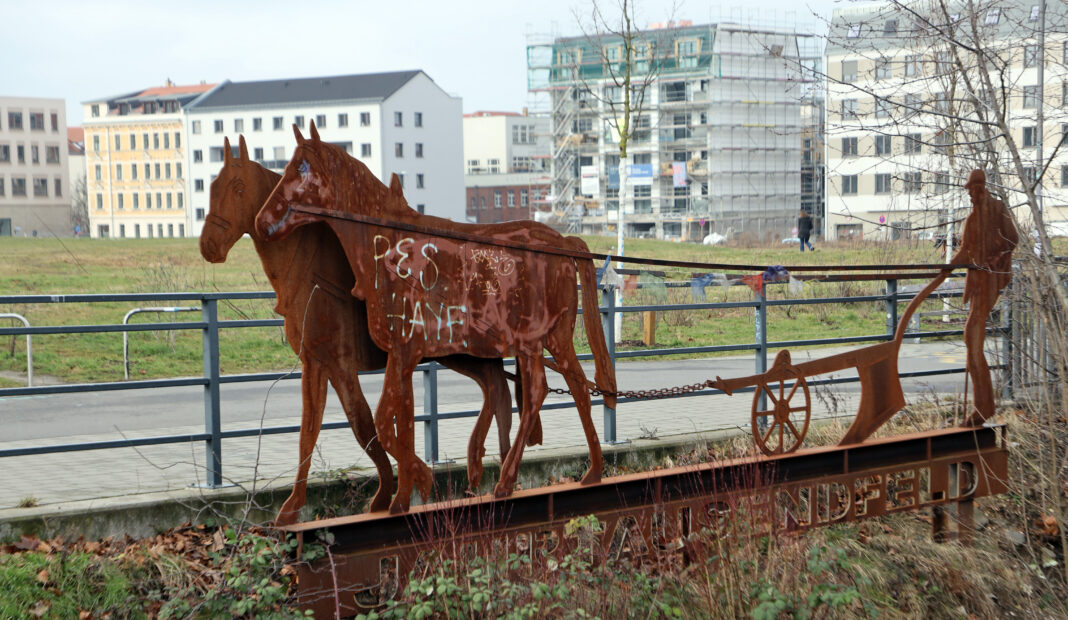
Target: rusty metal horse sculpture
(429, 293)
(326, 326)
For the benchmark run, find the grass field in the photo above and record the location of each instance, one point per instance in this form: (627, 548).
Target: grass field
(54, 267)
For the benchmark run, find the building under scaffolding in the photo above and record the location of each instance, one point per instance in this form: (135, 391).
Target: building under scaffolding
(731, 119)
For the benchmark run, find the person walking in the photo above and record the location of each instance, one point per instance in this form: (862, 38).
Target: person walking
(804, 230)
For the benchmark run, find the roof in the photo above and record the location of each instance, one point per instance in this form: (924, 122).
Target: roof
(373, 86)
(164, 91)
(75, 141)
(487, 113)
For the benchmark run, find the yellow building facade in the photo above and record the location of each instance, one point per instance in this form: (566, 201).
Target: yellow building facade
(136, 163)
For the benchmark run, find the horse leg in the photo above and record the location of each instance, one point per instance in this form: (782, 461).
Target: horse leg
(313, 392)
(397, 403)
(563, 351)
(534, 390)
(347, 386)
(496, 401)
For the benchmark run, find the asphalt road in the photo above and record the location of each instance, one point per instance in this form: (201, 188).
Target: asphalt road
(52, 417)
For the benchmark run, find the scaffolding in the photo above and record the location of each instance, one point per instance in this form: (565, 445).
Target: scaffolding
(728, 129)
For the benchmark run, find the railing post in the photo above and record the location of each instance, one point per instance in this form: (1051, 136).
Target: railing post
(891, 307)
(608, 321)
(212, 418)
(761, 362)
(430, 408)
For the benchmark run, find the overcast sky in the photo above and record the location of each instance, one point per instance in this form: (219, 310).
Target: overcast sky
(476, 49)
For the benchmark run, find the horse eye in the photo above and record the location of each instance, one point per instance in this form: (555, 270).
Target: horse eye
(304, 167)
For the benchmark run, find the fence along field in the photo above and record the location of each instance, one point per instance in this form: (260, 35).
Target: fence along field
(51, 267)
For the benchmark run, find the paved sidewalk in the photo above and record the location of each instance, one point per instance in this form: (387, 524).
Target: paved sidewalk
(54, 479)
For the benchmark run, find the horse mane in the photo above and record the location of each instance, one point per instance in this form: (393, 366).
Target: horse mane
(355, 188)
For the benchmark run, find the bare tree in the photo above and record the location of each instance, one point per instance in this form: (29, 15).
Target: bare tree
(79, 205)
(944, 87)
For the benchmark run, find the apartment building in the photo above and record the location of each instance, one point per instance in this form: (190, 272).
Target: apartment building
(34, 178)
(909, 116)
(136, 163)
(399, 122)
(506, 157)
(717, 146)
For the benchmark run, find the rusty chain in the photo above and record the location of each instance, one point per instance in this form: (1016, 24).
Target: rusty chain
(644, 394)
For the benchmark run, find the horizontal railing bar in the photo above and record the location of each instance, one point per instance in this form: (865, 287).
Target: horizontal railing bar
(104, 445)
(109, 297)
(102, 329)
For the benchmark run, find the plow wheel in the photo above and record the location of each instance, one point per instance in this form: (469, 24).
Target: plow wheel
(787, 420)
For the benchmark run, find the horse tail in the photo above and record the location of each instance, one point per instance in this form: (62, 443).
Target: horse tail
(605, 376)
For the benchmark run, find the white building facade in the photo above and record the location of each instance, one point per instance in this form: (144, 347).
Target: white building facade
(400, 122)
(34, 174)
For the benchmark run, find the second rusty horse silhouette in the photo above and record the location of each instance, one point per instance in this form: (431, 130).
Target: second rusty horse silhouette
(326, 326)
(431, 289)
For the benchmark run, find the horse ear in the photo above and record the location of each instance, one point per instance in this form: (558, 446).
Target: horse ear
(314, 132)
(243, 148)
(395, 185)
(296, 132)
(227, 153)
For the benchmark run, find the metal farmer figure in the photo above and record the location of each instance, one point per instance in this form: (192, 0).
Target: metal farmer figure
(987, 241)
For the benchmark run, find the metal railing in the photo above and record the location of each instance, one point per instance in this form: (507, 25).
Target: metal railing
(212, 378)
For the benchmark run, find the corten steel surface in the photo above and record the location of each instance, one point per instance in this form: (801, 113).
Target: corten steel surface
(327, 327)
(430, 295)
(988, 240)
(660, 511)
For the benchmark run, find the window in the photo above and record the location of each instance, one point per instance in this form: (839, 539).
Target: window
(215, 154)
(239, 125)
(144, 141)
(55, 122)
(400, 176)
(279, 153)
(854, 31)
(913, 182)
(365, 119)
(14, 120)
(849, 108)
(419, 180)
(1064, 94)
(418, 119)
(882, 69)
(1064, 176)
(58, 186)
(136, 201)
(118, 172)
(298, 120)
(118, 143)
(96, 143)
(883, 145)
(912, 143)
(496, 199)
(155, 140)
(1030, 174)
(199, 214)
(1029, 136)
(2, 190)
(121, 202)
(257, 154)
(849, 147)
(148, 171)
(95, 110)
(398, 119)
(159, 227)
(148, 205)
(166, 140)
(398, 149)
(133, 171)
(169, 206)
(167, 170)
(98, 172)
(35, 154)
(1035, 12)
(320, 120)
(52, 154)
(198, 185)
(257, 124)
(912, 66)
(37, 121)
(494, 166)
(890, 27)
(419, 149)
(218, 128)
(180, 201)
(993, 16)
(1064, 133)
(158, 175)
(276, 123)
(1064, 53)
(1031, 55)
(1030, 96)
(198, 156)
(20, 153)
(133, 141)
(99, 197)
(342, 120)
(511, 198)
(40, 187)
(882, 183)
(5, 153)
(365, 150)
(178, 170)
(849, 71)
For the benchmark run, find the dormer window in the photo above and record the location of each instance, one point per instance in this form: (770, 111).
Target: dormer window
(993, 16)
(854, 31)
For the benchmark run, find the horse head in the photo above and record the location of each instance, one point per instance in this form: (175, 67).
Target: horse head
(306, 181)
(236, 195)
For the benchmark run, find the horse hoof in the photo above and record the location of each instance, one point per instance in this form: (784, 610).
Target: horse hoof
(379, 502)
(591, 477)
(286, 518)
